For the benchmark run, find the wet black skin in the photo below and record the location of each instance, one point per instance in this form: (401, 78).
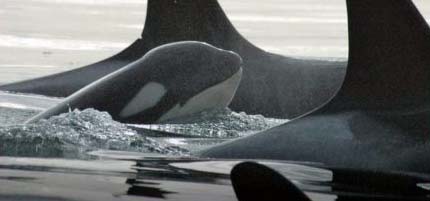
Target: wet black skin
(380, 118)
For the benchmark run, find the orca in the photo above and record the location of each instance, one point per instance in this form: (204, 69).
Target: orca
(253, 182)
(380, 117)
(272, 85)
(170, 81)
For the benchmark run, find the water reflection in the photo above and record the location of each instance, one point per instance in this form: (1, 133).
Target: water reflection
(318, 182)
(148, 189)
(188, 179)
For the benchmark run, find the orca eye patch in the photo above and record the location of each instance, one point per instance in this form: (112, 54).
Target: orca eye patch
(146, 98)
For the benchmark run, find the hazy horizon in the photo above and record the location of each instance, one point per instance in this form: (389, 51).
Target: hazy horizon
(40, 37)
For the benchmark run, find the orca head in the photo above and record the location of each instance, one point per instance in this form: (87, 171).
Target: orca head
(186, 78)
(170, 81)
(206, 78)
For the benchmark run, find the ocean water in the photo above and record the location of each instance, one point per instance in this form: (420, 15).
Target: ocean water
(74, 134)
(41, 37)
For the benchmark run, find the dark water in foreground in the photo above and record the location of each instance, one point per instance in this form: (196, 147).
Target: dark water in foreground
(186, 179)
(85, 155)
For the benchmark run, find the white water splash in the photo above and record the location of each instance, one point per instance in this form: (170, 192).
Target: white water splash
(73, 134)
(217, 124)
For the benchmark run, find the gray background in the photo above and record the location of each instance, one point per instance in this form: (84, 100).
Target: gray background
(39, 37)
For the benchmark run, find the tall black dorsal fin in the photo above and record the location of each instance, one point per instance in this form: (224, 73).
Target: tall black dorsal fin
(166, 21)
(200, 20)
(389, 57)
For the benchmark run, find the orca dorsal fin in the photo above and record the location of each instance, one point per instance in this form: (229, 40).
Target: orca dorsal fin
(389, 57)
(253, 181)
(202, 20)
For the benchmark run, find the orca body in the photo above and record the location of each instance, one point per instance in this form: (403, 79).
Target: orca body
(272, 85)
(380, 118)
(170, 81)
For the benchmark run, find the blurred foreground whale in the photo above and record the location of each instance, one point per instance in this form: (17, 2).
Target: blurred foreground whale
(380, 118)
(272, 85)
(170, 81)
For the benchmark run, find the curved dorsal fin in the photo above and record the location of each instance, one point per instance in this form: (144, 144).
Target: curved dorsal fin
(200, 20)
(389, 57)
(253, 181)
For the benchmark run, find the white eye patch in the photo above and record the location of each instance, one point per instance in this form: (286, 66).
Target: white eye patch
(146, 98)
(216, 97)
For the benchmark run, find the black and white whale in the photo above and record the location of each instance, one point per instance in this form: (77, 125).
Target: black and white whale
(380, 118)
(272, 85)
(170, 81)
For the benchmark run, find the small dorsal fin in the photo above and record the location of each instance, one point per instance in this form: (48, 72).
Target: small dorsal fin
(252, 181)
(389, 57)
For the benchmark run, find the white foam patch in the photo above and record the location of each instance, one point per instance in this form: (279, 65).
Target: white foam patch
(215, 97)
(177, 141)
(59, 44)
(147, 98)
